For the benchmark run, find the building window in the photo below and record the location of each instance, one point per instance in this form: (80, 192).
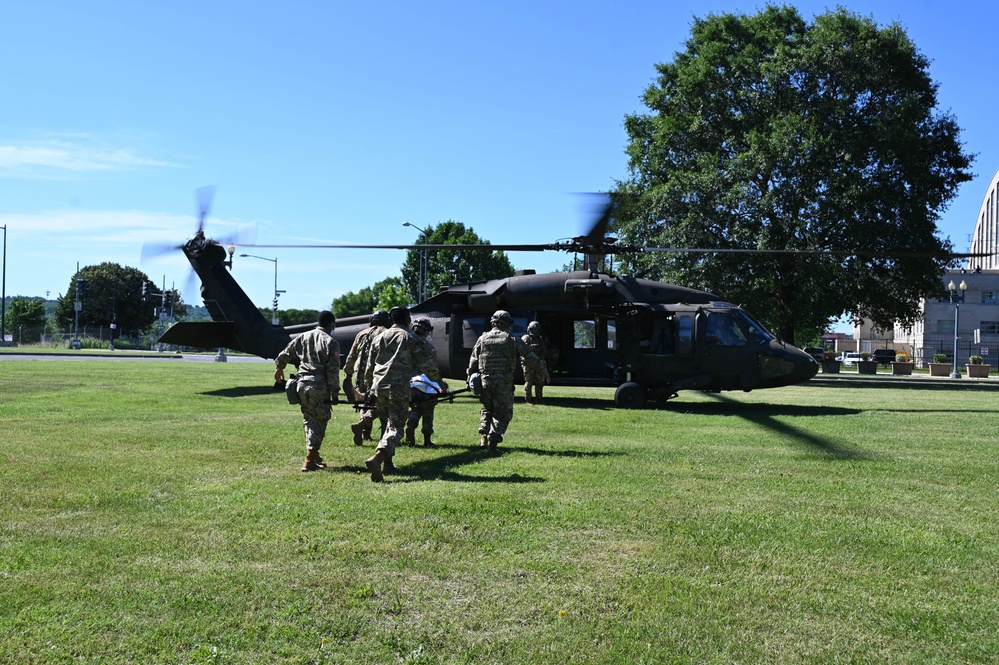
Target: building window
(990, 327)
(945, 326)
(990, 298)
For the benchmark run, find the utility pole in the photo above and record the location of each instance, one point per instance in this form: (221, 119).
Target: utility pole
(3, 305)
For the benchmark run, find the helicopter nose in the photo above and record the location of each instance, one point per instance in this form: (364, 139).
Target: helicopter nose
(788, 366)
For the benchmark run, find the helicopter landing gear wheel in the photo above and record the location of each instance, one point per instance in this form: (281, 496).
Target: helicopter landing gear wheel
(630, 396)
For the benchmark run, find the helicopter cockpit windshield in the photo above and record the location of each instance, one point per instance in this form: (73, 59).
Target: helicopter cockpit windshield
(756, 329)
(757, 332)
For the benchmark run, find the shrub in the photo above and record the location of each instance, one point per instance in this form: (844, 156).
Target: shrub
(975, 360)
(939, 357)
(864, 355)
(901, 357)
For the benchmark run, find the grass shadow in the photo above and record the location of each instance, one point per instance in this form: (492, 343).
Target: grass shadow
(589, 403)
(242, 391)
(764, 415)
(445, 467)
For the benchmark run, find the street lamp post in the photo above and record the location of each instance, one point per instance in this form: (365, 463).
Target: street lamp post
(274, 320)
(3, 298)
(422, 295)
(957, 299)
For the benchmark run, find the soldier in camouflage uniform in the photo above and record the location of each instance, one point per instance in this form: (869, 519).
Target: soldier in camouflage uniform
(422, 403)
(317, 356)
(356, 363)
(396, 355)
(532, 377)
(494, 358)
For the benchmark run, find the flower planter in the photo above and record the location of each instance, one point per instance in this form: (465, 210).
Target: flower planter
(830, 367)
(941, 369)
(867, 367)
(902, 369)
(978, 371)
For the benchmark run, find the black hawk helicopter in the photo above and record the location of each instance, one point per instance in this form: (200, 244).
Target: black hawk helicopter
(649, 340)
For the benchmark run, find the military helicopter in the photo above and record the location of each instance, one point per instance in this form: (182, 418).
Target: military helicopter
(649, 340)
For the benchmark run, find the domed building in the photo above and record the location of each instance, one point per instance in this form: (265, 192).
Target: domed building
(973, 303)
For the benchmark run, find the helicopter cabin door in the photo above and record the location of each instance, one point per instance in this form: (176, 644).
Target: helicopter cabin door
(587, 348)
(726, 352)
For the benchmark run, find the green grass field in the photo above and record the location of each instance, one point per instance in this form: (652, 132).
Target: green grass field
(153, 512)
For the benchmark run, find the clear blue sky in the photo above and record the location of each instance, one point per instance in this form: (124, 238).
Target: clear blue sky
(336, 122)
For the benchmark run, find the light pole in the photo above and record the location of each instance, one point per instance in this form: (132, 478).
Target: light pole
(422, 295)
(276, 292)
(957, 299)
(3, 302)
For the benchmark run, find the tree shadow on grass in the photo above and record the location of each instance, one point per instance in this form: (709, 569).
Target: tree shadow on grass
(764, 415)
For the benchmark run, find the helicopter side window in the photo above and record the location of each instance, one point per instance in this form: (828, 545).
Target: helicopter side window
(684, 334)
(584, 334)
(659, 338)
(722, 330)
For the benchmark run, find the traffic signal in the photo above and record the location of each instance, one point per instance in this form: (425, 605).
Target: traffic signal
(145, 291)
(81, 286)
(168, 300)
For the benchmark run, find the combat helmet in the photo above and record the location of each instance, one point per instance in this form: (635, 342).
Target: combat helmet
(380, 318)
(534, 327)
(423, 325)
(501, 317)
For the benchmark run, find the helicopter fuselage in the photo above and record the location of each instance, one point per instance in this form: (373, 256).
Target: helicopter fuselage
(647, 339)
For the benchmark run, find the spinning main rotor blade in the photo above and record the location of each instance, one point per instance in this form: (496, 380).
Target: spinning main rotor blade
(576, 245)
(813, 252)
(205, 196)
(501, 248)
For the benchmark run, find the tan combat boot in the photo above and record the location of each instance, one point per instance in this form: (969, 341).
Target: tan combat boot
(374, 464)
(411, 435)
(358, 430)
(388, 466)
(313, 462)
(427, 443)
(484, 443)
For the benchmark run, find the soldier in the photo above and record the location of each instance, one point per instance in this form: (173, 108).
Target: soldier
(423, 402)
(396, 355)
(532, 377)
(494, 358)
(356, 363)
(317, 356)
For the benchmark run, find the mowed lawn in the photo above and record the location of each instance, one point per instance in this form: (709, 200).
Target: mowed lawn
(154, 512)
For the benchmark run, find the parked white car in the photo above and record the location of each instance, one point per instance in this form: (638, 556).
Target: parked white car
(849, 358)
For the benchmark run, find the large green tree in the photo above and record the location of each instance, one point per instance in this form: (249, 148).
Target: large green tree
(25, 319)
(110, 293)
(383, 295)
(769, 132)
(447, 266)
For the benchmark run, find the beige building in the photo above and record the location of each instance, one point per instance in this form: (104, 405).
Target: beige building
(974, 309)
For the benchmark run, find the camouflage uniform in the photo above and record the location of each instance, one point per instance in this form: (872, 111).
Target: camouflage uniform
(397, 354)
(422, 404)
(533, 378)
(317, 356)
(494, 357)
(356, 362)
